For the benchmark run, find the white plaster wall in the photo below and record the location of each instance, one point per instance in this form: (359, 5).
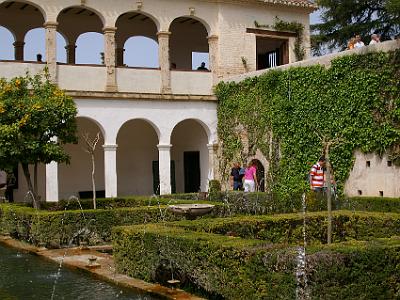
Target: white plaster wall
(189, 135)
(76, 176)
(13, 69)
(191, 83)
(138, 80)
(81, 78)
(164, 115)
(137, 149)
(371, 180)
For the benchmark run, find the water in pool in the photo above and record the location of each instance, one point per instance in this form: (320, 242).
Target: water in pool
(25, 276)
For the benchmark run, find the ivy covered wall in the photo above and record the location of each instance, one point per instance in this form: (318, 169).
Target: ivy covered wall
(291, 115)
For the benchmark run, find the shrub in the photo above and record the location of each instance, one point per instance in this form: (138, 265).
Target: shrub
(71, 226)
(223, 267)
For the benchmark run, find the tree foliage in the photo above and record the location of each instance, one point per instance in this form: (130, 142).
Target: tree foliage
(36, 119)
(289, 114)
(342, 19)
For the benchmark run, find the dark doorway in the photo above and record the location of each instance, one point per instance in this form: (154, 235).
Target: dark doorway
(156, 178)
(271, 52)
(260, 176)
(191, 167)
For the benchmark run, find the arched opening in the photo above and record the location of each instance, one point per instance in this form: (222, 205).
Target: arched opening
(141, 51)
(190, 156)
(35, 45)
(90, 49)
(76, 177)
(137, 155)
(6, 40)
(260, 175)
(136, 41)
(20, 18)
(189, 44)
(82, 28)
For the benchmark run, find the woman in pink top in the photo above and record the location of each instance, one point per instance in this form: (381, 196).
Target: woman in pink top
(250, 177)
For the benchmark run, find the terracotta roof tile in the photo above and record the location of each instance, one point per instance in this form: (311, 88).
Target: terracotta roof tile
(300, 3)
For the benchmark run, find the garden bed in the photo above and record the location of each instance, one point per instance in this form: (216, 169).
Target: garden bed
(226, 267)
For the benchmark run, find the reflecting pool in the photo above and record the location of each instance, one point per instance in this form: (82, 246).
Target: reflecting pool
(25, 276)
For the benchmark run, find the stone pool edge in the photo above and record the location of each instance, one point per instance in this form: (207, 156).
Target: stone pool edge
(76, 258)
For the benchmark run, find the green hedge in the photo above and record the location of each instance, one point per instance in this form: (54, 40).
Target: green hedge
(371, 204)
(70, 227)
(222, 267)
(288, 228)
(110, 203)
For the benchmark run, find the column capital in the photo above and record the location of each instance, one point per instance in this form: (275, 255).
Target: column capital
(50, 24)
(19, 44)
(212, 147)
(163, 33)
(109, 29)
(164, 146)
(110, 147)
(70, 46)
(212, 38)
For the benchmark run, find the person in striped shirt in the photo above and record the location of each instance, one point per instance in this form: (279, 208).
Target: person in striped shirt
(317, 175)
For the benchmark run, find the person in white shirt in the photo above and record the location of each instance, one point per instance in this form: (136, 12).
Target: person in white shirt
(359, 43)
(375, 39)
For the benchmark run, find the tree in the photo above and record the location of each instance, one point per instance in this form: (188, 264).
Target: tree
(342, 19)
(90, 148)
(36, 119)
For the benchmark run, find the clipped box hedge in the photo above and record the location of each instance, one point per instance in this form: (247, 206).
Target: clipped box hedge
(288, 228)
(222, 267)
(58, 228)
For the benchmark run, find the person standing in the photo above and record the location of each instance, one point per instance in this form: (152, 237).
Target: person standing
(317, 175)
(250, 177)
(236, 177)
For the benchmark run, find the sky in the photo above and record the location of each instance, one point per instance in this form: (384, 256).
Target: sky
(139, 51)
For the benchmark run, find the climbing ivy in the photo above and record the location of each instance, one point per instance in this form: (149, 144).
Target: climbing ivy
(295, 27)
(290, 115)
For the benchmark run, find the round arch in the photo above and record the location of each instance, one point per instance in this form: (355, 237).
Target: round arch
(75, 177)
(138, 25)
(137, 157)
(23, 2)
(188, 41)
(98, 124)
(151, 123)
(200, 122)
(82, 11)
(190, 156)
(206, 26)
(130, 14)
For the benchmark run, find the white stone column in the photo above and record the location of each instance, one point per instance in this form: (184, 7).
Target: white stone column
(212, 150)
(213, 56)
(51, 48)
(164, 165)
(110, 170)
(109, 58)
(163, 56)
(52, 182)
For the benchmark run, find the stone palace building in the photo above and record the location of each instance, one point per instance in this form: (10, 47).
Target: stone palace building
(158, 125)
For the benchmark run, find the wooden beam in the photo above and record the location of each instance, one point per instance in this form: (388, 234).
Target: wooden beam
(271, 32)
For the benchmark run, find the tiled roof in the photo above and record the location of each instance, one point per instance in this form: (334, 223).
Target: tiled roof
(299, 3)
